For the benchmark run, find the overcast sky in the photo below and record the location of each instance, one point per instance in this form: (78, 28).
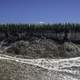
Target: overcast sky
(35, 11)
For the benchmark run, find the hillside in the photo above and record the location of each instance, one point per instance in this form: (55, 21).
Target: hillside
(41, 48)
(40, 52)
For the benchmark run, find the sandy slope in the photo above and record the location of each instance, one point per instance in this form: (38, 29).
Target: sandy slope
(39, 69)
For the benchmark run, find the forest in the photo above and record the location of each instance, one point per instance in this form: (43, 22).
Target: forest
(57, 32)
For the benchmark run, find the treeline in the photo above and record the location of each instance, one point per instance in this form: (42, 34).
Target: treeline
(58, 32)
(34, 27)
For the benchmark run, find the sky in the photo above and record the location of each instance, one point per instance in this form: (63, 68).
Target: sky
(39, 11)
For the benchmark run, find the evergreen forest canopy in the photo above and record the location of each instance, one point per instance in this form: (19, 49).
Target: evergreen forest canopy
(58, 32)
(54, 27)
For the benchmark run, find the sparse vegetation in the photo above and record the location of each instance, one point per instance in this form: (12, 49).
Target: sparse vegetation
(43, 49)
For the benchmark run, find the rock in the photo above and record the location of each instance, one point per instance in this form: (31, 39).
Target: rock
(71, 49)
